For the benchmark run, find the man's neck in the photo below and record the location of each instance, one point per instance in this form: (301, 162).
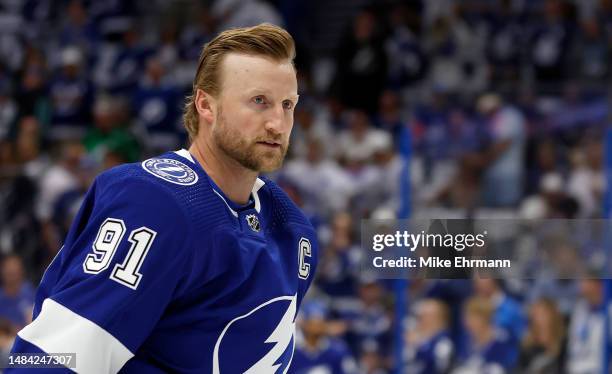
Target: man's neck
(235, 181)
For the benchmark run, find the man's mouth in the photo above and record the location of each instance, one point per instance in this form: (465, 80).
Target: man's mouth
(270, 144)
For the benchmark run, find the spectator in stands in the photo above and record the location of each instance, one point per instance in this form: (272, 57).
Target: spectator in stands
(11, 31)
(361, 64)
(391, 116)
(308, 125)
(544, 160)
(585, 347)
(357, 144)
(457, 50)
(431, 137)
(466, 143)
(16, 294)
(125, 70)
(28, 148)
(489, 348)
(32, 94)
(7, 337)
(369, 322)
(26, 163)
(156, 106)
(543, 348)
(8, 109)
(78, 29)
(505, 46)
(504, 159)
(110, 133)
(315, 350)
(195, 34)
(326, 185)
(61, 177)
(591, 54)
(71, 94)
(551, 202)
(429, 348)
(383, 194)
(339, 262)
(408, 62)
(372, 360)
(587, 180)
(167, 50)
(555, 281)
(548, 50)
(507, 312)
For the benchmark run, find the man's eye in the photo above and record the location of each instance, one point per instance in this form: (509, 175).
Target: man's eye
(259, 100)
(288, 105)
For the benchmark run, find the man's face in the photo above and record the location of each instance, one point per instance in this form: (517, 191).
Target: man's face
(255, 110)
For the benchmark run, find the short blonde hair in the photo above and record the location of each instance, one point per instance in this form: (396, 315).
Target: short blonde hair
(262, 40)
(479, 307)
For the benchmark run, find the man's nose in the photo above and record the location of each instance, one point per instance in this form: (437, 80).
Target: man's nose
(275, 122)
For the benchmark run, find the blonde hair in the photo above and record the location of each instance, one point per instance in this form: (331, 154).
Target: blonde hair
(479, 307)
(262, 40)
(555, 323)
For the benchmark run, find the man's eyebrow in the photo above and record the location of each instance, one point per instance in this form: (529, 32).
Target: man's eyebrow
(264, 91)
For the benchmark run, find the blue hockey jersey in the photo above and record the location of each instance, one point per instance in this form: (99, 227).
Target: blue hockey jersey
(434, 355)
(332, 356)
(161, 272)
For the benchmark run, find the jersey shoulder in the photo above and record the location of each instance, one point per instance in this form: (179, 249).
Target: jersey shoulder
(175, 178)
(283, 211)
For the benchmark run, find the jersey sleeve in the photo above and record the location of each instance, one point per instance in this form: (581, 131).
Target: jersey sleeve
(125, 258)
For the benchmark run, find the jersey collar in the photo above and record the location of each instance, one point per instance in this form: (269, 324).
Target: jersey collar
(254, 201)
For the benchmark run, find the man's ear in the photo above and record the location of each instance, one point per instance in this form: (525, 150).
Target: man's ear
(206, 105)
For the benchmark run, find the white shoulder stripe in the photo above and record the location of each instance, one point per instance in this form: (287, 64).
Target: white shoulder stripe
(258, 184)
(58, 329)
(185, 154)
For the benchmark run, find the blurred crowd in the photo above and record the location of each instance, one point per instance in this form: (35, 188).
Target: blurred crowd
(437, 108)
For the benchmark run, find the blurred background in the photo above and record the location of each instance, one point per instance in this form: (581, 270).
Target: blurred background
(437, 108)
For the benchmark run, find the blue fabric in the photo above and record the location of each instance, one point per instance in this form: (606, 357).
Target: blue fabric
(333, 357)
(211, 288)
(16, 308)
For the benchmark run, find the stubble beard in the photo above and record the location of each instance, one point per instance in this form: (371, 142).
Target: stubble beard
(247, 153)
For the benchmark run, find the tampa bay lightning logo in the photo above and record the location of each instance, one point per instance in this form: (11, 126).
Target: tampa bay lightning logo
(170, 170)
(264, 339)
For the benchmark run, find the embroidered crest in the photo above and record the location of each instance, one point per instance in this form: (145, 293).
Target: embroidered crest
(170, 170)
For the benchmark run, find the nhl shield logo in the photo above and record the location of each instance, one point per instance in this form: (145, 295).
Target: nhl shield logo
(253, 222)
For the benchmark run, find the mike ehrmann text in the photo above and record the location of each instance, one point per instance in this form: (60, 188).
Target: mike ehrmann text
(437, 262)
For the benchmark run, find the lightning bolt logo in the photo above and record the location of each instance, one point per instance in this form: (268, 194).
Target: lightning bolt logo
(282, 337)
(171, 168)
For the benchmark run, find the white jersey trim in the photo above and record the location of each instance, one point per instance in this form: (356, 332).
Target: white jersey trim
(58, 329)
(185, 154)
(258, 184)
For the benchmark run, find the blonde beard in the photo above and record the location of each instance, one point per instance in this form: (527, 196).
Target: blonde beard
(248, 154)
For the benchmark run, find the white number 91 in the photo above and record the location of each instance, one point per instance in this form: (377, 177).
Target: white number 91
(104, 247)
